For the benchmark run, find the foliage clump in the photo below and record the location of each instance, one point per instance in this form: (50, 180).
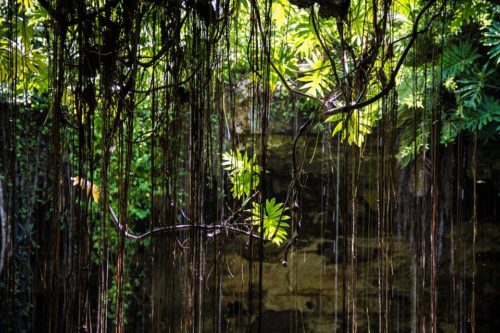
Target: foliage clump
(244, 174)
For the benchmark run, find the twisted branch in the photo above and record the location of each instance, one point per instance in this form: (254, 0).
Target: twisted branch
(215, 228)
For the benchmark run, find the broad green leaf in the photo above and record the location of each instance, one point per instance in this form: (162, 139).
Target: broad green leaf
(273, 220)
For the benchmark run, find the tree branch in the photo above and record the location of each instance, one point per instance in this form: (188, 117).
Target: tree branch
(392, 82)
(215, 228)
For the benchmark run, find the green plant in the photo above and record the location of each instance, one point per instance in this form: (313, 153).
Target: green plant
(487, 112)
(243, 173)
(316, 72)
(273, 220)
(473, 84)
(492, 38)
(457, 57)
(354, 126)
(244, 177)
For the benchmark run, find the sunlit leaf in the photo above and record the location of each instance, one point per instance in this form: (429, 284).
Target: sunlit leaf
(273, 220)
(87, 186)
(243, 173)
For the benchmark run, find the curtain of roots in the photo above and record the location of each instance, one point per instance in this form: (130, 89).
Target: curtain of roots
(70, 276)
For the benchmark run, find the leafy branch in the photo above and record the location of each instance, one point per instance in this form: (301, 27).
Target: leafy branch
(392, 80)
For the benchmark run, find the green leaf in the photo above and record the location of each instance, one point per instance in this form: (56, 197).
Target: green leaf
(486, 112)
(472, 85)
(354, 127)
(274, 217)
(317, 71)
(491, 37)
(243, 173)
(457, 57)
